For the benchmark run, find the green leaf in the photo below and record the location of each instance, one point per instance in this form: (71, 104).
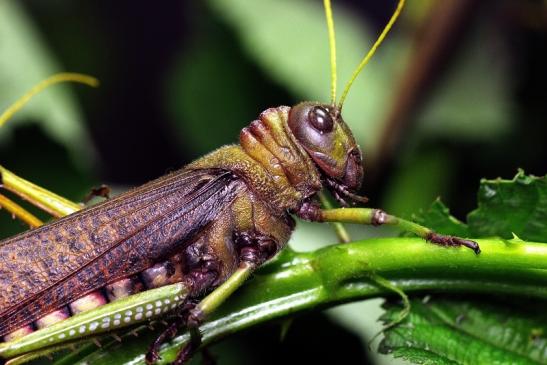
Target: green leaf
(420, 177)
(438, 218)
(507, 207)
(26, 61)
(300, 282)
(450, 331)
(210, 90)
(468, 105)
(444, 331)
(288, 39)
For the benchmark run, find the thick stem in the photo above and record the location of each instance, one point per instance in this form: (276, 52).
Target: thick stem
(337, 274)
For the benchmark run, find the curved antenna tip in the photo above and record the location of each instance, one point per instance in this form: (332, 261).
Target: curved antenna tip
(371, 52)
(54, 79)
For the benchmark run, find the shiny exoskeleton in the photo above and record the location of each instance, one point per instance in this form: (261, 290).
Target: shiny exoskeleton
(196, 225)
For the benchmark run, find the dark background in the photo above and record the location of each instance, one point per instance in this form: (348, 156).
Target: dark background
(177, 82)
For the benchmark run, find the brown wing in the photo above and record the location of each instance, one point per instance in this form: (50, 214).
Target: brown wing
(48, 267)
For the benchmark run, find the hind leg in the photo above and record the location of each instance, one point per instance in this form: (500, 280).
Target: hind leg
(254, 249)
(197, 315)
(169, 333)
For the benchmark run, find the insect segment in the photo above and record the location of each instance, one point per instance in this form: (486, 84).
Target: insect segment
(206, 227)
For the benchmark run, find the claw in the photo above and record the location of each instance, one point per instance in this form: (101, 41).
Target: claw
(444, 240)
(468, 243)
(151, 357)
(186, 354)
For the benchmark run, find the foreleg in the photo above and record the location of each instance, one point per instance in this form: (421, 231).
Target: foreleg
(311, 211)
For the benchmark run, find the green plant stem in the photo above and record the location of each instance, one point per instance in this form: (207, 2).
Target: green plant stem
(337, 274)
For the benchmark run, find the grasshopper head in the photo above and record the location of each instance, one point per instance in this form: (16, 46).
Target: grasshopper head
(321, 131)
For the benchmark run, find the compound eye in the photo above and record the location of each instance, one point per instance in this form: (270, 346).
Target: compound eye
(321, 119)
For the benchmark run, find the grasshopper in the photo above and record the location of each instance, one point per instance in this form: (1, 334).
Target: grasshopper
(191, 237)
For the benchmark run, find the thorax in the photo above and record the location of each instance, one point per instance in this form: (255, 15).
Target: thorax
(270, 160)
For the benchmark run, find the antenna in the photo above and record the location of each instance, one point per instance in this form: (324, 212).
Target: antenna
(371, 52)
(332, 47)
(54, 79)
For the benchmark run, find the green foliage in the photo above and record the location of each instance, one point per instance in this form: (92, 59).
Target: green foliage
(46, 141)
(459, 331)
(26, 61)
(471, 331)
(222, 101)
(467, 105)
(289, 45)
(438, 218)
(419, 180)
(507, 207)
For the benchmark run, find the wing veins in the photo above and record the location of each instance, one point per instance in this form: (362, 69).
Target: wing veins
(195, 195)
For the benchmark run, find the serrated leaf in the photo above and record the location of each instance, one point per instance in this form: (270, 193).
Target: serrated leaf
(438, 218)
(423, 357)
(507, 207)
(477, 332)
(468, 332)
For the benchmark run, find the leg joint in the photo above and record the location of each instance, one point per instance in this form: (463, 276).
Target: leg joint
(254, 247)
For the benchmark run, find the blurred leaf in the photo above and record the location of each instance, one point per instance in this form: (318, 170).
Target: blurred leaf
(419, 11)
(45, 162)
(421, 177)
(452, 331)
(209, 111)
(438, 218)
(516, 206)
(288, 39)
(469, 105)
(42, 136)
(26, 61)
